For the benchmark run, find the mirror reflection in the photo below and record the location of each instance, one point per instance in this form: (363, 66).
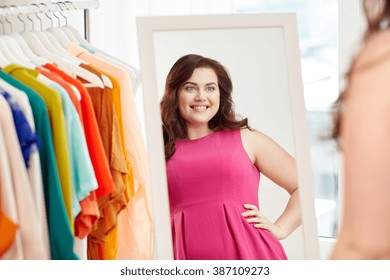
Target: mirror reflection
(229, 91)
(214, 165)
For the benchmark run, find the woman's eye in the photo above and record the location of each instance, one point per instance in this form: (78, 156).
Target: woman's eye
(190, 88)
(210, 88)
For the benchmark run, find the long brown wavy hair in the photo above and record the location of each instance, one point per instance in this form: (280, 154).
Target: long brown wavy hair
(378, 18)
(174, 126)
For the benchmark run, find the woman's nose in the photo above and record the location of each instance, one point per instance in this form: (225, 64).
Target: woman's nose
(200, 96)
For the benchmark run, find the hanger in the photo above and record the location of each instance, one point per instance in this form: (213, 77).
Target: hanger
(67, 34)
(9, 53)
(65, 27)
(35, 42)
(62, 36)
(21, 56)
(71, 32)
(11, 48)
(44, 79)
(63, 31)
(80, 40)
(4, 52)
(59, 33)
(48, 42)
(36, 46)
(3, 60)
(51, 42)
(18, 39)
(38, 60)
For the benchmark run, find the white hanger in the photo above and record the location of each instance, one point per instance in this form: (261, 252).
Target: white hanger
(48, 44)
(38, 60)
(60, 50)
(64, 40)
(69, 34)
(6, 52)
(52, 45)
(64, 36)
(12, 54)
(78, 38)
(35, 41)
(83, 42)
(73, 36)
(135, 74)
(3, 60)
(11, 49)
(71, 67)
(36, 45)
(60, 35)
(44, 79)
(50, 33)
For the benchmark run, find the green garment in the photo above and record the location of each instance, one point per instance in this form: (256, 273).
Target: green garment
(60, 234)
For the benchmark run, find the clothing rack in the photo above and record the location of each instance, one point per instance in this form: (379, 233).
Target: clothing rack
(15, 16)
(60, 6)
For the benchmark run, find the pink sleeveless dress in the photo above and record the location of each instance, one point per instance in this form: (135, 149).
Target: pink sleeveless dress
(209, 181)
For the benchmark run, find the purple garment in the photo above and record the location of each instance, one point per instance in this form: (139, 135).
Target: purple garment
(209, 181)
(28, 139)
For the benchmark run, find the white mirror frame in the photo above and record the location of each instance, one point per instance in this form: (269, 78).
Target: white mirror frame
(160, 202)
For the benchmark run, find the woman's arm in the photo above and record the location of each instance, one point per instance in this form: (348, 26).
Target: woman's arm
(365, 139)
(280, 167)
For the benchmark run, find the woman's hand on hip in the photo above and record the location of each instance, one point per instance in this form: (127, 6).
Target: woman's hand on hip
(253, 216)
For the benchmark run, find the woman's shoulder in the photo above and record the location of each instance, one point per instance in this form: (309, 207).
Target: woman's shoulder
(252, 135)
(375, 51)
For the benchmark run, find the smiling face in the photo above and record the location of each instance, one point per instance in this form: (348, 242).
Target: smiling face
(199, 98)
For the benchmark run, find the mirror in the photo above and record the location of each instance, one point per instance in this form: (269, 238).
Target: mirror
(261, 53)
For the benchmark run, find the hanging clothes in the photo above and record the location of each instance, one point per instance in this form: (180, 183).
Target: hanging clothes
(136, 219)
(60, 235)
(92, 134)
(110, 205)
(85, 180)
(83, 177)
(57, 119)
(33, 163)
(28, 220)
(8, 226)
(88, 191)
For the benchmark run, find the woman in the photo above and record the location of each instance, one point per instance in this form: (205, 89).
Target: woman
(213, 168)
(363, 126)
